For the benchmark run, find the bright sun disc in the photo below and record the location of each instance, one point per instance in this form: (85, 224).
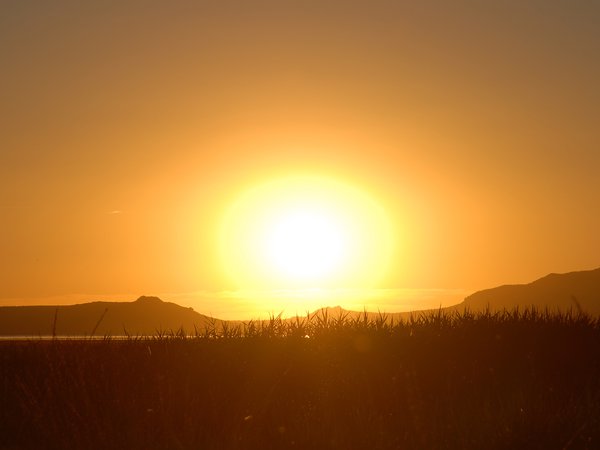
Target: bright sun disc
(301, 232)
(305, 244)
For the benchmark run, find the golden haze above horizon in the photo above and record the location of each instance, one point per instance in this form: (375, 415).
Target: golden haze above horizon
(127, 134)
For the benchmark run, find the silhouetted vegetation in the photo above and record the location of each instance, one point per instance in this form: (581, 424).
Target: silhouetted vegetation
(489, 380)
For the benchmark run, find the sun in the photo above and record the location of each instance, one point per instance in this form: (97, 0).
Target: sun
(305, 232)
(306, 244)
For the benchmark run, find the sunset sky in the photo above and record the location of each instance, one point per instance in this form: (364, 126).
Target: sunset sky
(130, 129)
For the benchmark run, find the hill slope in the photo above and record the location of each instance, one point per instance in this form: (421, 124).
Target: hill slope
(146, 315)
(572, 290)
(562, 292)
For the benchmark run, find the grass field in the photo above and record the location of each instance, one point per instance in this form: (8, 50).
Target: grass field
(511, 380)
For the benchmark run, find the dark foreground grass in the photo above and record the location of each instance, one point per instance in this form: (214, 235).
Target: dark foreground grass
(511, 380)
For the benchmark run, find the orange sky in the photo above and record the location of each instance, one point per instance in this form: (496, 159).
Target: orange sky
(127, 128)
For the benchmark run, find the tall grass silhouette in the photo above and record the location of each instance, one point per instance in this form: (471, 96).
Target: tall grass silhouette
(515, 379)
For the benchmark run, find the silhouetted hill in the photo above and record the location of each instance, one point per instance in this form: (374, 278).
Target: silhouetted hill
(144, 316)
(572, 290)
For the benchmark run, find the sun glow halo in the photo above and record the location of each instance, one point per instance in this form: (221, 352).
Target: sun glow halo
(304, 232)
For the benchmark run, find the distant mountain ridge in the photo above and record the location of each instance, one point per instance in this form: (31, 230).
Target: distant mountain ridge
(148, 315)
(144, 316)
